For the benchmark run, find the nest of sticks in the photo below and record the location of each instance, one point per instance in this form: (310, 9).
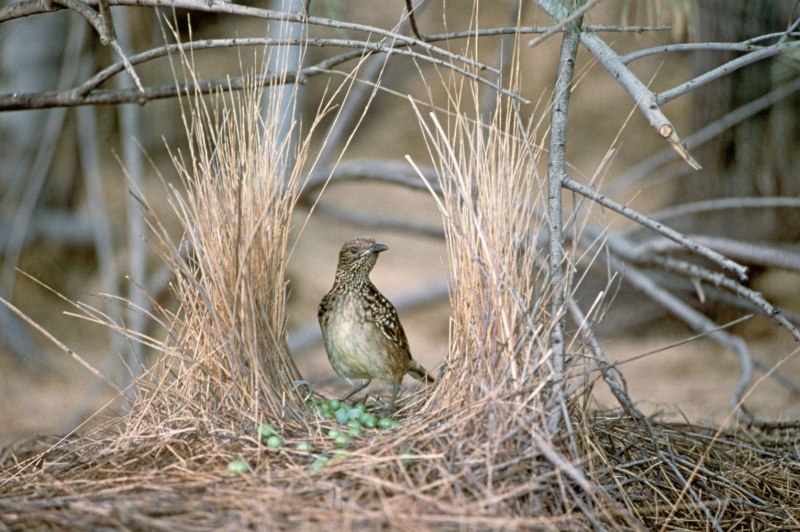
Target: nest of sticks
(475, 469)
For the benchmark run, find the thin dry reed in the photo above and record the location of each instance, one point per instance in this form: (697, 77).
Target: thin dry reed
(490, 199)
(227, 349)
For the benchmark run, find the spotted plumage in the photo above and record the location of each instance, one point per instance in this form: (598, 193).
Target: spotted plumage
(360, 327)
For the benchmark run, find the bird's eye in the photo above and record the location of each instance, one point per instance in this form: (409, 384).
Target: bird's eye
(353, 250)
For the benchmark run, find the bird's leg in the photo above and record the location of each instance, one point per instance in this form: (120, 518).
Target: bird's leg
(303, 384)
(355, 389)
(395, 396)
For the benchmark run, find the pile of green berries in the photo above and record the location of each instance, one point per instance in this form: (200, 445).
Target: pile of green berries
(353, 418)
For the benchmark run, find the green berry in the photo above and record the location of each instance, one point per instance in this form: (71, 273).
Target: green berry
(268, 429)
(354, 413)
(319, 463)
(273, 442)
(333, 433)
(408, 457)
(387, 423)
(368, 420)
(303, 446)
(339, 454)
(341, 416)
(355, 431)
(341, 440)
(361, 406)
(334, 404)
(237, 467)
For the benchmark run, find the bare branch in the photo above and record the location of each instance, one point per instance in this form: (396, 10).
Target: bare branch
(723, 262)
(556, 173)
(376, 221)
(690, 47)
(525, 30)
(32, 7)
(647, 167)
(45, 153)
(618, 389)
(751, 253)
(645, 99)
(695, 320)
(575, 16)
(413, 20)
(724, 70)
(695, 271)
(771, 202)
(104, 26)
(85, 94)
(378, 170)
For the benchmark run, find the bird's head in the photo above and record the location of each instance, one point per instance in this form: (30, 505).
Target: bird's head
(357, 258)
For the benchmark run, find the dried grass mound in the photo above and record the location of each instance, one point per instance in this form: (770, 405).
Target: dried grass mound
(691, 477)
(474, 453)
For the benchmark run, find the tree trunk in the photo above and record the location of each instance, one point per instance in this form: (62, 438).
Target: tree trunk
(760, 156)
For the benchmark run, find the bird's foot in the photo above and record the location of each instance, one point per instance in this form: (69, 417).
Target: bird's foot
(296, 385)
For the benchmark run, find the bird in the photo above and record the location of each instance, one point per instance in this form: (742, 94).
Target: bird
(360, 327)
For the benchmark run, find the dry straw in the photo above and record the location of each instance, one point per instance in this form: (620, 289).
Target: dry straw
(472, 453)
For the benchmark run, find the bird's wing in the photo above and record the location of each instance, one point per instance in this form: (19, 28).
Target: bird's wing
(384, 315)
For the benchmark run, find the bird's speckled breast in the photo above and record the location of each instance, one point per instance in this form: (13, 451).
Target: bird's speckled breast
(356, 349)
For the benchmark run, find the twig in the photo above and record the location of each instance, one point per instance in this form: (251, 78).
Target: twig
(619, 390)
(724, 70)
(701, 324)
(503, 57)
(31, 7)
(552, 456)
(719, 204)
(103, 241)
(104, 26)
(690, 47)
(91, 16)
(354, 109)
(695, 271)
(59, 344)
(758, 254)
(376, 221)
(644, 98)
(525, 30)
(413, 20)
(85, 95)
(384, 171)
(132, 161)
(56, 225)
(645, 254)
(107, 22)
(646, 169)
(703, 251)
(555, 181)
(574, 16)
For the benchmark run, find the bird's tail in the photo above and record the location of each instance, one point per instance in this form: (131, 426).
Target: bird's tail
(420, 373)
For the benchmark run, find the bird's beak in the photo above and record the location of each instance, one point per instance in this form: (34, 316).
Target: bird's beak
(377, 248)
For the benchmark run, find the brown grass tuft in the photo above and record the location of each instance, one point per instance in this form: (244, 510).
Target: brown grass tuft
(227, 350)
